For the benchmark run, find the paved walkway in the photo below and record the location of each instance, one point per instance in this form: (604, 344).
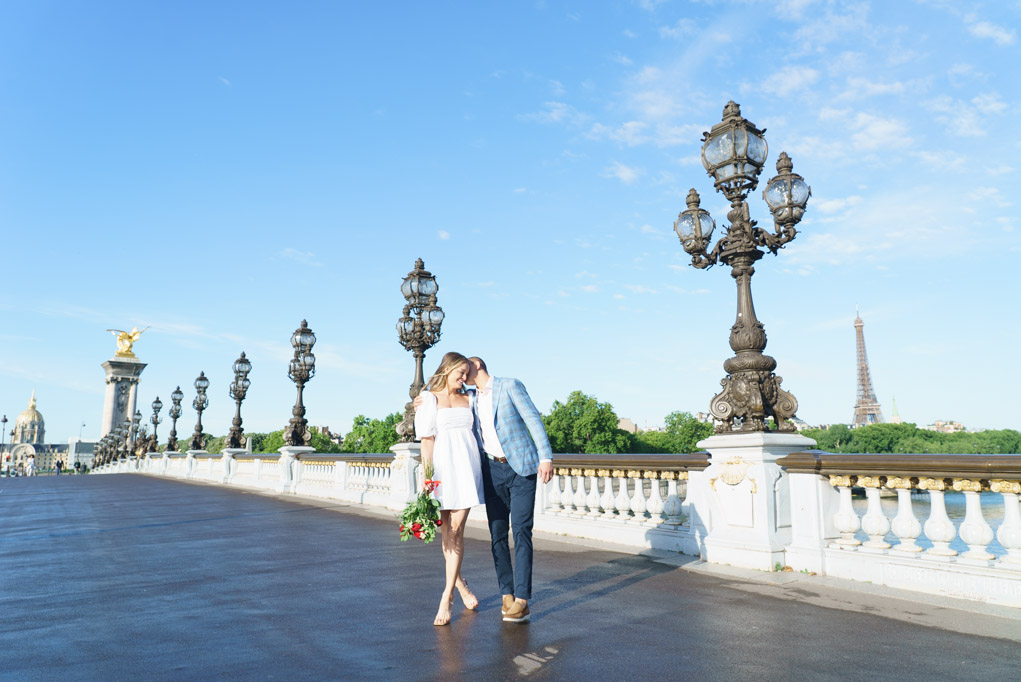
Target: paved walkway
(125, 577)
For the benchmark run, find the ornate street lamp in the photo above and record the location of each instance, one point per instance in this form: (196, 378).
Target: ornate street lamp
(157, 405)
(175, 411)
(733, 154)
(418, 329)
(3, 432)
(199, 403)
(136, 422)
(301, 370)
(238, 390)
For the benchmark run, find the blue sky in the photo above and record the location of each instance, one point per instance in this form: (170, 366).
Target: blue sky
(220, 171)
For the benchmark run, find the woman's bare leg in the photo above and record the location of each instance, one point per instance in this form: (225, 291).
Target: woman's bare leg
(448, 544)
(467, 596)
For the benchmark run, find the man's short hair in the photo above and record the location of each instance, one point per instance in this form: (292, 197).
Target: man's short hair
(481, 363)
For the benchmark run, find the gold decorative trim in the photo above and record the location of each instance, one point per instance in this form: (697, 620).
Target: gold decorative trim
(871, 481)
(634, 473)
(652, 474)
(901, 483)
(682, 475)
(590, 472)
(999, 485)
(667, 475)
(970, 485)
(932, 483)
(842, 480)
(576, 472)
(619, 473)
(602, 472)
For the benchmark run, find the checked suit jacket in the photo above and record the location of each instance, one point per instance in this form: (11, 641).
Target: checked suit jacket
(518, 426)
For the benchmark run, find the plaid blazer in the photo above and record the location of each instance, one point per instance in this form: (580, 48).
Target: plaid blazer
(518, 426)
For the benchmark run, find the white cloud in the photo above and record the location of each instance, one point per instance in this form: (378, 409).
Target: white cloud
(628, 33)
(621, 59)
(965, 119)
(443, 234)
(626, 174)
(989, 194)
(989, 103)
(224, 81)
(998, 34)
(941, 160)
(555, 112)
(303, 257)
(640, 289)
(790, 79)
(964, 74)
(683, 28)
(590, 288)
(585, 274)
(649, 229)
(863, 87)
(649, 5)
(1002, 169)
(873, 132)
(520, 190)
(836, 205)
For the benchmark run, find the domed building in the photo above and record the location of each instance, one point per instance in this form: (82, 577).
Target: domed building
(29, 426)
(29, 439)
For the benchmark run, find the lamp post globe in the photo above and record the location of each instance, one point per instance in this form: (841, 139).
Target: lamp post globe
(733, 154)
(157, 405)
(418, 329)
(200, 402)
(300, 370)
(238, 390)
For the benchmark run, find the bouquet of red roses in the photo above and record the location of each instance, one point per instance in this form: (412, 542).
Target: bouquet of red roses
(422, 516)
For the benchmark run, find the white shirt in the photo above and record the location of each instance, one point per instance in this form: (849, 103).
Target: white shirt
(487, 419)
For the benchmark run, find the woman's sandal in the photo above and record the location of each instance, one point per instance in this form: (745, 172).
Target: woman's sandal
(471, 602)
(440, 620)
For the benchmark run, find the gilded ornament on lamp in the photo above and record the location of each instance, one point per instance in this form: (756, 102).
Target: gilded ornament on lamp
(999, 485)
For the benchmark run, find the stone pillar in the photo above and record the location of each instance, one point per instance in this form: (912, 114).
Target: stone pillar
(122, 375)
(290, 467)
(746, 498)
(190, 462)
(404, 474)
(230, 462)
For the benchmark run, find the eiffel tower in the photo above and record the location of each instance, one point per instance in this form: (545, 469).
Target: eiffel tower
(866, 409)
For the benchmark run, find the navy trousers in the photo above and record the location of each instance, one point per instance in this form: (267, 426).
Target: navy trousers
(510, 503)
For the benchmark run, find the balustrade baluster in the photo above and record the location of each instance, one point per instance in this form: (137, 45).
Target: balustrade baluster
(579, 493)
(1009, 532)
(874, 523)
(593, 493)
(553, 493)
(672, 507)
(905, 525)
(975, 530)
(622, 503)
(938, 527)
(655, 498)
(638, 505)
(606, 501)
(845, 520)
(568, 496)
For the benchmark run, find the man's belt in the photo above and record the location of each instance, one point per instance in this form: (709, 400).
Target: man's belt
(501, 460)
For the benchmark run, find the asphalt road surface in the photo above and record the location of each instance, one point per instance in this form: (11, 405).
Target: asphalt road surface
(126, 577)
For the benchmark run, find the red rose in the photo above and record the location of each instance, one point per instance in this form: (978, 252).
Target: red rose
(402, 527)
(439, 522)
(418, 534)
(416, 526)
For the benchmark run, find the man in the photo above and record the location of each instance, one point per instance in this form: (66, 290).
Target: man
(515, 455)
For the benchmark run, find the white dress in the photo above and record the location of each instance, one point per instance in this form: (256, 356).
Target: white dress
(456, 461)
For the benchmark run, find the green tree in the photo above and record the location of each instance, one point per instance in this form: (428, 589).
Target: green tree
(372, 435)
(686, 431)
(585, 425)
(270, 443)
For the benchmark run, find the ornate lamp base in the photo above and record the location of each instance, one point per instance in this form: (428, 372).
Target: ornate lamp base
(751, 394)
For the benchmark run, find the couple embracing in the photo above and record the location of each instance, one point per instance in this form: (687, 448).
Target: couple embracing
(485, 444)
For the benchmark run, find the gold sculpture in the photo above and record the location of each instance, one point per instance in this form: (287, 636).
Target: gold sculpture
(125, 340)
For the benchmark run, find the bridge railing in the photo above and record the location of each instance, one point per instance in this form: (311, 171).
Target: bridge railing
(928, 539)
(897, 520)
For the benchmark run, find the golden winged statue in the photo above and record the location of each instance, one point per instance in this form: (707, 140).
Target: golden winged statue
(125, 340)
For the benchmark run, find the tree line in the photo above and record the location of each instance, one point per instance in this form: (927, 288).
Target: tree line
(580, 424)
(908, 438)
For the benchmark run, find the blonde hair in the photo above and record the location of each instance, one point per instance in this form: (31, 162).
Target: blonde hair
(450, 362)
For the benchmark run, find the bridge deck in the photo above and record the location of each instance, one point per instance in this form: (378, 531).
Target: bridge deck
(129, 577)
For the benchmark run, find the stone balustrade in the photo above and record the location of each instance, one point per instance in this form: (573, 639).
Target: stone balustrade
(752, 501)
(934, 553)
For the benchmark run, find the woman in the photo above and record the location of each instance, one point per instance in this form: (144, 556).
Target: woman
(444, 424)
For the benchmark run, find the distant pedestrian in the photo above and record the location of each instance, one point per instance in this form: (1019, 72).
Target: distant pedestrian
(77, 467)
(60, 465)
(30, 466)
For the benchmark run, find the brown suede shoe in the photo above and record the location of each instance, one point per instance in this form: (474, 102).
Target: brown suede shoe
(508, 601)
(518, 613)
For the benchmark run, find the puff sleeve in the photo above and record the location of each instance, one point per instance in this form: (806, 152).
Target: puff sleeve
(425, 418)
